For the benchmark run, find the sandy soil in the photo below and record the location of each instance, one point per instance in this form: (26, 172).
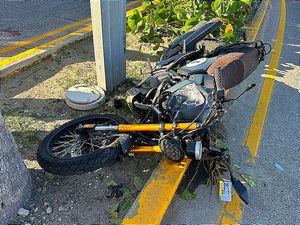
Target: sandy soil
(32, 103)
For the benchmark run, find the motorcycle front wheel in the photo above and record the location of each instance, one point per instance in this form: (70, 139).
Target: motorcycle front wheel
(65, 151)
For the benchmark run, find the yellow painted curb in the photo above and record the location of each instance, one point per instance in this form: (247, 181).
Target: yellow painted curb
(257, 20)
(154, 199)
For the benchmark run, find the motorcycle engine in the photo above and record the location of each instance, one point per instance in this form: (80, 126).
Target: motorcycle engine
(186, 101)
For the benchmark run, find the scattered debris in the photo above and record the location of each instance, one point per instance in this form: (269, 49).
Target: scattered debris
(236, 167)
(279, 168)
(221, 144)
(224, 190)
(12, 31)
(61, 208)
(115, 191)
(49, 175)
(186, 195)
(23, 212)
(138, 183)
(46, 204)
(111, 183)
(49, 210)
(250, 180)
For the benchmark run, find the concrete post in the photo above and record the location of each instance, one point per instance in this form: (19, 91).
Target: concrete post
(108, 19)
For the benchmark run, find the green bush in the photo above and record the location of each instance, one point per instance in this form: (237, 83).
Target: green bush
(167, 19)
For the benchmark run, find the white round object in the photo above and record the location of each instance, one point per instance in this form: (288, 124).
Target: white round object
(84, 97)
(198, 150)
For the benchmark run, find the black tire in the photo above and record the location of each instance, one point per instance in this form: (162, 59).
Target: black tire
(83, 163)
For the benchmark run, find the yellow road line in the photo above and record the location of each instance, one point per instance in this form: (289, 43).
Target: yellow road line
(154, 199)
(254, 133)
(52, 33)
(43, 36)
(231, 212)
(7, 61)
(132, 3)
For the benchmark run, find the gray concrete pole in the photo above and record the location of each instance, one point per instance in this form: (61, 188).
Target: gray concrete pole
(108, 19)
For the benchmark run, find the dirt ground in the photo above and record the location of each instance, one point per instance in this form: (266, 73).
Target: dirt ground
(32, 103)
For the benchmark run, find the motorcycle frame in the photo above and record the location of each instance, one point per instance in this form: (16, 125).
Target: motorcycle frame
(159, 127)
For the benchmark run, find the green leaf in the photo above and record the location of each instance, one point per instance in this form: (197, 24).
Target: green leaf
(126, 193)
(118, 221)
(140, 25)
(186, 195)
(232, 6)
(111, 183)
(215, 5)
(248, 2)
(164, 13)
(156, 47)
(191, 22)
(250, 180)
(221, 144)
(115, 215)
(115, 206)
(219, 12)
(159, 21)
(134, 19)
(127, 205)
(138, 183)
(145, 4)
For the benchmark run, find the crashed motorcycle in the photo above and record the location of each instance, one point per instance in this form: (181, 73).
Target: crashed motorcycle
(183, 96)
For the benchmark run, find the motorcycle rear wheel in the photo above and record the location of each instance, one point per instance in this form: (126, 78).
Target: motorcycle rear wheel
(65, 151)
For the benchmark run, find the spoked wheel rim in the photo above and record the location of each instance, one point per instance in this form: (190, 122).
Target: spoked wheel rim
(72, 143)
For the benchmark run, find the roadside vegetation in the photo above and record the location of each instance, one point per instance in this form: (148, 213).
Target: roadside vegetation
(162, 21)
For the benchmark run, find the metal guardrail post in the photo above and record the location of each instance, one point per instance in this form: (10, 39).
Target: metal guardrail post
(108, 19)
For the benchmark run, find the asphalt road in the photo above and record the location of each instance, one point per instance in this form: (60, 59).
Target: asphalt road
(276, 197)
(21, 20)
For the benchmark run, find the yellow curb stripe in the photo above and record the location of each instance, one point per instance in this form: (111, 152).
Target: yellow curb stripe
(43, 36)
(154, 199)
(231, 212)
(254, 133)
(140, 8)
(228, 221)
(257, 21)
(39, 49)
(132, 3)
(234, 209)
